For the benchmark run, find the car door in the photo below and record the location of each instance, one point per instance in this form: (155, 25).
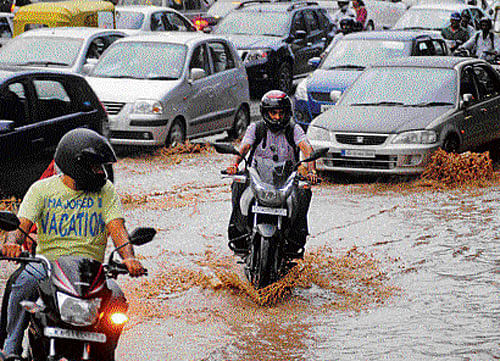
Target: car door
(299, 46)
(174, 22)
(469, 116)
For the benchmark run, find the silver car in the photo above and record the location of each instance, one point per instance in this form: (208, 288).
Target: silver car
(396, 114)
(66, 49)
(162, 88)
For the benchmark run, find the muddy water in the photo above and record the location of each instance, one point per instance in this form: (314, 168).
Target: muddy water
(391, 272)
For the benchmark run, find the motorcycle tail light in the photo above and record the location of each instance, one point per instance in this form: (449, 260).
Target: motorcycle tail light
(118, 318)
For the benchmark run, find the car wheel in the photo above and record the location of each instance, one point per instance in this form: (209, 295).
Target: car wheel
(370, 26)
(284, 78)
(177, 134)
(451, 144)
(240, 124)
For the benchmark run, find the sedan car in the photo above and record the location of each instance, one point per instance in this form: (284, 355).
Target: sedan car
(397, 114)
(348, 57)
(67, 49)
(172, 86)
(36, 109)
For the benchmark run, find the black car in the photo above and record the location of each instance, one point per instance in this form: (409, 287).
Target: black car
(36, 110)
(276, 40)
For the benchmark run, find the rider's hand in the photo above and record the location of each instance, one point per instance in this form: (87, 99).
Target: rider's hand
(134, 267)
(232, 169)
(11, 250)
(312, 177)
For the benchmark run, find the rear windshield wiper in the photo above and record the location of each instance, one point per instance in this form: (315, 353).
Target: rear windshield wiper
(415, 28)
(45, 63)
(385, 103)
(430, 104)
(347, 66)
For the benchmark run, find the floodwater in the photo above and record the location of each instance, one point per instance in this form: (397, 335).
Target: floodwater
(392, 271)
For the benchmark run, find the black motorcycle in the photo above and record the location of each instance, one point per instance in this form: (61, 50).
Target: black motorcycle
(73, 317)
(269, 206)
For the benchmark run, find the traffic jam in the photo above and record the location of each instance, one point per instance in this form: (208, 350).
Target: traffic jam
(256, 179)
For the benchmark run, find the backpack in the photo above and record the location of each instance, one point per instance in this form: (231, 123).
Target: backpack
(478, 34)
(261, 137)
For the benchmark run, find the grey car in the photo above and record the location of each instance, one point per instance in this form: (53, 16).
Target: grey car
(162, 88)
(396, 114)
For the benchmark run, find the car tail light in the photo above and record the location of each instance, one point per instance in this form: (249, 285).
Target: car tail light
(200, 23)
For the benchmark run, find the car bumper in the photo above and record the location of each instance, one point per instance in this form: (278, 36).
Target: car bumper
(138, 130)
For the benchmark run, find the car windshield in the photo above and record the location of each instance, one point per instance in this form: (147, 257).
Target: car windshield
(221, 8)
(403, 86)
(129, 19)
(41, 51)
(272, 23)
(361, 53)
(435, 19)
(142, 60)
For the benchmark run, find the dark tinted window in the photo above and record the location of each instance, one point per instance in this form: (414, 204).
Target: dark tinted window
(312, 20)
(221, 56)
(200, 59)
(486, 82)
(13, 104)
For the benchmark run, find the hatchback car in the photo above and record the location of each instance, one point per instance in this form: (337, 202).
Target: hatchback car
(67, 49)
(36, 110)
(347, 58)
(138, 18)
(397, 114)
(276, 40)
(172, 86)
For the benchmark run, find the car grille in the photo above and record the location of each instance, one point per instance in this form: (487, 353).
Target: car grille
(321, 97)
(379, 162)
(359, 139)
(113, 108)
(123, 134)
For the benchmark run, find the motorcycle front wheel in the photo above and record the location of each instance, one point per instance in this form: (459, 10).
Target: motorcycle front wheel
(261, 263)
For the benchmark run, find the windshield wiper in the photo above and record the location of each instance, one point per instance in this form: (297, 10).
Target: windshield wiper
(162, 78)
(430, 104)
(384, 103)
(116, 76)
(45, 63)
(347, 66)
(415, 28)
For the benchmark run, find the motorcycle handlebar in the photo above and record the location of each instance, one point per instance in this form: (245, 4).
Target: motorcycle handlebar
(24, 257)
(116, 269)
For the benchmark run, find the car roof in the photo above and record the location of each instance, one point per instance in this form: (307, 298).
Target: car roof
(175, 37)
(449, 6)
(10, 74)
(397, 35)
(145, 9)
(70, 32)
(267, 6)
(449, 62)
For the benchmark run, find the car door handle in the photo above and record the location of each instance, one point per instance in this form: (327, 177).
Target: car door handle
(38, 141)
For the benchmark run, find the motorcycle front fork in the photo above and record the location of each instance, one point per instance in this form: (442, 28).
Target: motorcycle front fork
(52, 351)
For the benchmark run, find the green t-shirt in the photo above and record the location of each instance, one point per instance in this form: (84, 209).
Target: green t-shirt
(70, 222)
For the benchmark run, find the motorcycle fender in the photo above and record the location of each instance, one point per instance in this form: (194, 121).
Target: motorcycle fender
(266, 230)
(246, 201)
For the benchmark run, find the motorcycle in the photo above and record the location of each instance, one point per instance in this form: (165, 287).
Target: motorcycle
(73, 317)
(270, 208)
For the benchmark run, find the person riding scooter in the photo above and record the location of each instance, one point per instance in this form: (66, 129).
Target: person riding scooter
(454, 32)
(484, 42)
(74, 212)
(275, 137)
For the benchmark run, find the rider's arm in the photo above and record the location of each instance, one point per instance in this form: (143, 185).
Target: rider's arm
(15, 239)
(469, 44)
(119, 235)
(307, 150)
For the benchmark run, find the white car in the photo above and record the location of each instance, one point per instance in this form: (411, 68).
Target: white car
(6, 27)
(162, 88)
(140, 18)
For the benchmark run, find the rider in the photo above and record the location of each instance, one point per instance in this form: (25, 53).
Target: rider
(466, 23)
(361, 13)
(60, 206)
(275, 137)
(454, 31)
(343, 12)
(484, 41)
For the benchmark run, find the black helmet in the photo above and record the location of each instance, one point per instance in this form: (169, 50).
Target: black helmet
(341, 4)
(78, 152)
(347, 25)
(276, 99)
(484, 21)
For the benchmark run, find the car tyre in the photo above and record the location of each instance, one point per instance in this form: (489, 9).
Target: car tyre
(284, 78)
(451, 144)
(177, 134)
(240, 124)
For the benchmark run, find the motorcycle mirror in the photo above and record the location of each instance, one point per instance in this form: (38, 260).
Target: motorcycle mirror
(316, 154)
(225, 148)
(142, 235)
(9, 221)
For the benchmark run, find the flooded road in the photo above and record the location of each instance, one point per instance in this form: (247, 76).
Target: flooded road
(392, 271)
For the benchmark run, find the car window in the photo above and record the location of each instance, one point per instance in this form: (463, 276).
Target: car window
(424, 48)
(487, 82)
(5, 31)
(311, 20)
(157, 22)
(96, 48)
(199, 59)
(324, 22)
(129, 19)
(439, 47)
(221, 56)
(52, 99)
(13, 104)
(467, 85)
(298, 22)
(174, 22)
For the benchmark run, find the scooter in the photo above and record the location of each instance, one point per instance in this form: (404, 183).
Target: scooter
(73, 317)
(269, 205)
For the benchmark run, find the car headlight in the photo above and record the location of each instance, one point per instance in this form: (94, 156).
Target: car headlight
(317, 133)
(146, 106)
(77, 311)
(301, 91)
(257, 55)
(416, 137)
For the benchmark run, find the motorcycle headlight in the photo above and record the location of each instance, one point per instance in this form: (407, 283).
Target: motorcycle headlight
(301, 91)
(146, 106)
(78, 311)
(416, 137)
(317, 133)
(257, 55)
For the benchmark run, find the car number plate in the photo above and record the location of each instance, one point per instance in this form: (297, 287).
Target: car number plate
(57, 332)
(357, 153)
(325, 107)
(268, 210)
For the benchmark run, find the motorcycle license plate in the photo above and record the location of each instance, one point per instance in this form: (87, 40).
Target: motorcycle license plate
(57, 332)
(268, 210)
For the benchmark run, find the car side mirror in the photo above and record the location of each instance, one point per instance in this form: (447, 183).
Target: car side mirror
(335, 95)
(197, 73)
(9, 221)
(89, 66)
(142, 235)
(314, 62)
(6, 126)
(466, 100)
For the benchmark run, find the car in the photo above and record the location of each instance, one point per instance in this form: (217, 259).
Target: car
(397, 113)
(344, 62)
(6, 27)
(36, 109)
(276, 40)
(140, 18)
(173, 87)
(435, 15)
(67, 49)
